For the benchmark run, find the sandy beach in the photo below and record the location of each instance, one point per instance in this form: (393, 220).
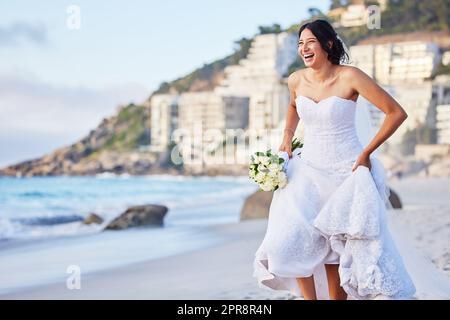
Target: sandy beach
(224, 269)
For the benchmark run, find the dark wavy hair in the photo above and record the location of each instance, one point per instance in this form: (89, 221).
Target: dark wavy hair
(324, 33)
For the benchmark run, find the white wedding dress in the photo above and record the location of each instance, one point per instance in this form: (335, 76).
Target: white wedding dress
(328, 214)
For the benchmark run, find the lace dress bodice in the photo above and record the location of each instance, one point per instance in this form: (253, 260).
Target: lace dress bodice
(330, 131)
(330, 141)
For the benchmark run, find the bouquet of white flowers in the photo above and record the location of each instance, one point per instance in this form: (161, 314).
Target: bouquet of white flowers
(269, 170)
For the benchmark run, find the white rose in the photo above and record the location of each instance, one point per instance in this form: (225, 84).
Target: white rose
(267, 185)
(282, 183)
(265, 160)
(282, 179)
(261, 167)
(260, 176)
(274, 167)
(273, 182)
(281, 176)
(273, 174)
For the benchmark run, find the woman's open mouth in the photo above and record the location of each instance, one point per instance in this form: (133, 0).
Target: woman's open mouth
(308, 57)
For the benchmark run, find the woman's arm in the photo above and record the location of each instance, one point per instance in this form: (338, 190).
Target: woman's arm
(292, 117)
(369, 89)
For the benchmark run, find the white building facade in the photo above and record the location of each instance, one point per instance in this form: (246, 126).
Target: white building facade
(164, 120)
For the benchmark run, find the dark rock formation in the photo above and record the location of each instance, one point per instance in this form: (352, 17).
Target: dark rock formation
(257, 205)
(93, 218)
(394, 199)
(145, 215)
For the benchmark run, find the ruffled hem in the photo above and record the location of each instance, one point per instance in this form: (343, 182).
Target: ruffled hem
(277, 282)
(271, 281)
(354, 220)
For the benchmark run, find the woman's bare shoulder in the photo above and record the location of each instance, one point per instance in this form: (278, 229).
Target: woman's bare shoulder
(295, 78)
(350, 72)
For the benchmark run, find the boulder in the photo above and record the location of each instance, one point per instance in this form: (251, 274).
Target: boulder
(93, 218)
(256, 205)
(394, 199)
(136, 216)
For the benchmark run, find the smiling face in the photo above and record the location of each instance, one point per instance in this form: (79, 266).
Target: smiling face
(310, 50)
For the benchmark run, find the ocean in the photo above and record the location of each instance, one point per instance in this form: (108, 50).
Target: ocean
(41, 234)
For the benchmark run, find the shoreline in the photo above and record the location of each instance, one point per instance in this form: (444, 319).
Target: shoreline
(227, 265)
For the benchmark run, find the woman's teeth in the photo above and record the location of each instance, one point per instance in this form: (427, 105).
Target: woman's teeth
(308, 57)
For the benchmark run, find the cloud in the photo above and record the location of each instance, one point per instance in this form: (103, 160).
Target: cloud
(19, 31)
(36, 117)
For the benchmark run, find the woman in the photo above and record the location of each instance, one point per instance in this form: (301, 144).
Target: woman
(329, 219)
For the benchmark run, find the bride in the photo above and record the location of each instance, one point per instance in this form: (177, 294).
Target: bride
(327, 233)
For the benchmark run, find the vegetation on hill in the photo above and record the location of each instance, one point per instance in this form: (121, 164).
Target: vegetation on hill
(131, 129)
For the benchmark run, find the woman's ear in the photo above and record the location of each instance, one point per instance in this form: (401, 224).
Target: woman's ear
(330, 44)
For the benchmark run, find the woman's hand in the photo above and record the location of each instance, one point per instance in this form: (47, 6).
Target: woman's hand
(286, 145)
(363, 160)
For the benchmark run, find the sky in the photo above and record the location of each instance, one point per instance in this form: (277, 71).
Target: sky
(65, 65)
